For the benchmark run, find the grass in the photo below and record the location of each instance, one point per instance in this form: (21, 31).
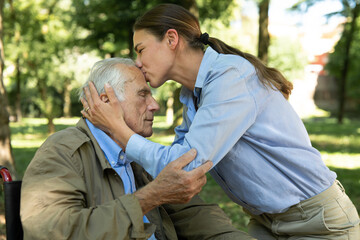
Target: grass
(338, 144)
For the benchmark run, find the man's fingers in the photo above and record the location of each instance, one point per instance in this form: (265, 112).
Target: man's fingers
(185, 159)
(201, 170)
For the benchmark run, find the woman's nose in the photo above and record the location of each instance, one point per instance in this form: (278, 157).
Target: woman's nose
(138, 62)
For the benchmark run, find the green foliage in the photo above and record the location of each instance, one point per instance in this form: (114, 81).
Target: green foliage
(328, 136)
(217, 10)
(163, 93)
(285, 56)
(336, 61)
(41, 50)
(109, 23)
(29, 134)
(50, 45)
(41, 35)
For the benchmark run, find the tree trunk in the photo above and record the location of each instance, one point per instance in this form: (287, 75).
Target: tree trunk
(170, 109)
(6, 156)
(67, 98)
(17, 35)
(264, 37)
(191, 5)
(18, 91)
(51, 125)
(47, 108)
(130, 40)
(177, 110)
(344, 71)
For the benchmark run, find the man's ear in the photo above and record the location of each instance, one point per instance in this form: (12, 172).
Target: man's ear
(104, 97)
(172, 38)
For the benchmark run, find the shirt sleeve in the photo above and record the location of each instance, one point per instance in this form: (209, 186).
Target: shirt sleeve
(227, 109)
(53, 204)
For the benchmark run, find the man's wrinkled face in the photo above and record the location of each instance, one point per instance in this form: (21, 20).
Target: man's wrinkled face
(139, 106)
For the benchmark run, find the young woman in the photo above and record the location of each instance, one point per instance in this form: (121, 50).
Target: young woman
(237, 115)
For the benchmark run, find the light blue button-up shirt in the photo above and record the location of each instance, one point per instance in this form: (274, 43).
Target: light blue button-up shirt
(118, 161)
(262, 154)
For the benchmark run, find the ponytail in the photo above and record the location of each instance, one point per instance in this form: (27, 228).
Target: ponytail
(270, 77)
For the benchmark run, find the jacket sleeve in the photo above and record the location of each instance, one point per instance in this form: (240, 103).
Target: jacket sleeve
(199, 220)
(53, 203)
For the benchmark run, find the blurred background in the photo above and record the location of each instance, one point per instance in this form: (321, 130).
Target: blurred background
(48, 46)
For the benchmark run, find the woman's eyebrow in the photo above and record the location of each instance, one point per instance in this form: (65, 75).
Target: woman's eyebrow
(136, 46)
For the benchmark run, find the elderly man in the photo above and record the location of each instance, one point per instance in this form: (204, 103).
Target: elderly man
(80, 184)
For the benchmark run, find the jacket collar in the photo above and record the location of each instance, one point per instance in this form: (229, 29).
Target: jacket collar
(82, 126)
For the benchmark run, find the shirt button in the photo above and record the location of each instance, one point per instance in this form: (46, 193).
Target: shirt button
(121, 157)
(113, 162)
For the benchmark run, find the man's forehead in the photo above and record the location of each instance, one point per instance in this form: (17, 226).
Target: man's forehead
(136, 79)
(128, 69)
(130, 72)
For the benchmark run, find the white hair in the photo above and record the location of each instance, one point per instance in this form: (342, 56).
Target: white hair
(111, 71)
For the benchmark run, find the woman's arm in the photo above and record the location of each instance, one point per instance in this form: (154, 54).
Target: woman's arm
(227, 110)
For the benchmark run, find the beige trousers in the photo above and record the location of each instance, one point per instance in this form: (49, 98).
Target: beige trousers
(328, 215)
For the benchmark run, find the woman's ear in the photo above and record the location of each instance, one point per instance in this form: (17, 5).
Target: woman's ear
(172, 38)
(104, 97)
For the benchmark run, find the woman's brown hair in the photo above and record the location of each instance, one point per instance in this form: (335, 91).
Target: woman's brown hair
(170, 16)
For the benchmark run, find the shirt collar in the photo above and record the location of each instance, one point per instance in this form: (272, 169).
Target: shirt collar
(210, 56)
(186, 96)
(110, 148)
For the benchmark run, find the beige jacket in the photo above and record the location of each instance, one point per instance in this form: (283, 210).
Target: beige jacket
(70, 191)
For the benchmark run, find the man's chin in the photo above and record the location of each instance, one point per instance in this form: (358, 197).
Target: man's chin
(147, 134)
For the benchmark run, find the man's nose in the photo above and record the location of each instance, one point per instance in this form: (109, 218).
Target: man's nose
(153, 106)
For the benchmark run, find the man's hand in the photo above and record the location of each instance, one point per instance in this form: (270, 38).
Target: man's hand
(173, 184)
(176, 185)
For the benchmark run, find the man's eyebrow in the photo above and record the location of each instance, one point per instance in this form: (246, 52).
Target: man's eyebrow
(136, 46)
(144, 90)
